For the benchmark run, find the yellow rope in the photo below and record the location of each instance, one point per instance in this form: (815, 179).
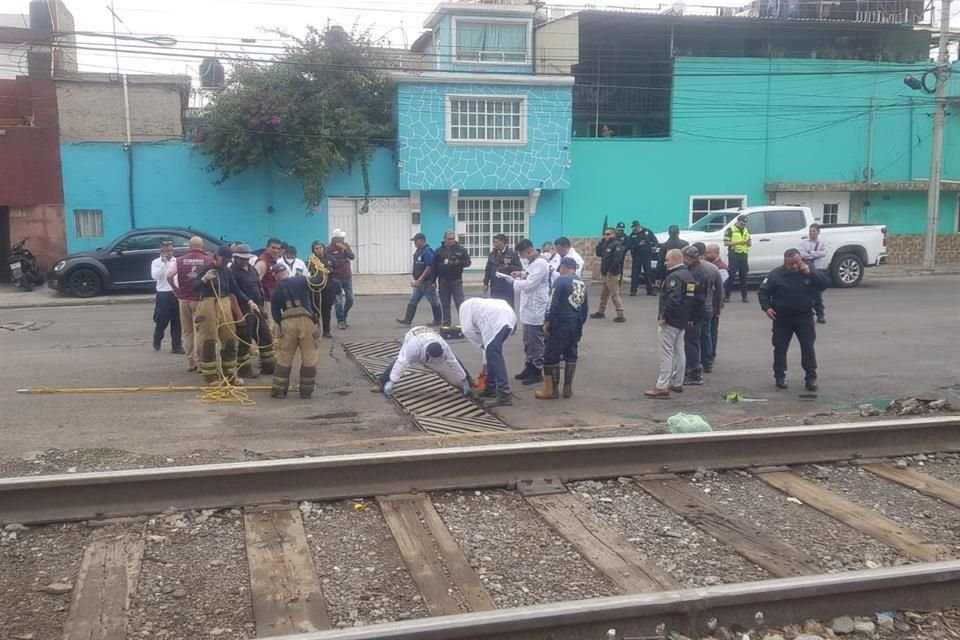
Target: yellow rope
(226, 391)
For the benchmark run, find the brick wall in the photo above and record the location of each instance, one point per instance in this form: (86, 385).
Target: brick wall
(93, 111)
(591, 269)
(43, 225)
(908, 250)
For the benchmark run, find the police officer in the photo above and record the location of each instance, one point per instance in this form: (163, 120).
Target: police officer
(424, 282)
(450, 260)
(673, 241)
(709, 296)
(220, 300)
(503, 260)
(676, 304)
(253, 328)
(738, 242)
(788, 295)
(641, 243)
(292, 307)
(611, 252)
(563, 325)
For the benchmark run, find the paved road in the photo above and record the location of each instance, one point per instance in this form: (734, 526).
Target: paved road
(886, 339)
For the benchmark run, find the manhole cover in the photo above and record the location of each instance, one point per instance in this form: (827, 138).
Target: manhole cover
(435, 406)
(25, 325)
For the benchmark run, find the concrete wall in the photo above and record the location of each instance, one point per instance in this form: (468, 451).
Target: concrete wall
(810, 121)
(93, 110)
(172, 188)
(43, 225)
(430, 163)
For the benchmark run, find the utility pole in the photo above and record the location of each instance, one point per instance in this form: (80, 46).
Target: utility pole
(936, 157)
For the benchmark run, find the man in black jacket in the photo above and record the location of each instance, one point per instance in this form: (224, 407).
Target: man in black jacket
(676, 304)
(787, 296)
(611, 252)
(505, 260)
(641, 243)
(672, 242)
(449, 261)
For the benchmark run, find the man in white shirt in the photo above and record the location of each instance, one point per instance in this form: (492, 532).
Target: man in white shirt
(166, 310)
(487, 323)
(564, 250)
(424, 345)
(814, 251)
(533, 283)
(295, 265)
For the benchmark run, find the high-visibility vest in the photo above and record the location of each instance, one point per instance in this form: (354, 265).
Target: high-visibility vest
(736, 235)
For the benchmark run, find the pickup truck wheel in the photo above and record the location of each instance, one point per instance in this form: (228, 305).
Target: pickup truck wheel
(84, 283)
(846, 270)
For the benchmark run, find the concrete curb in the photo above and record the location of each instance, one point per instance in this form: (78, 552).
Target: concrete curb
(75, 302)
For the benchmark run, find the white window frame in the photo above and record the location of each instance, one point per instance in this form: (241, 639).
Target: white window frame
(528, 54)
(690, 220)
(461, 227)
(835, 213)
(448, 109)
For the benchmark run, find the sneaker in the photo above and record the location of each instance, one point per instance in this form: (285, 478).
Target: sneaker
(781, 383)
(811, 385)
(657, 394)
(598, 314)
(620, 319)
(404, 322)
(179, 351)
(633, 294)
(156, 346)
(341, 324)
(707, 369)
(696, 382)
(676, 388)
(327, 334)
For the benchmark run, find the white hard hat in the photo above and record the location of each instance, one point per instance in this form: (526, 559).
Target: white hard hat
(338, 233)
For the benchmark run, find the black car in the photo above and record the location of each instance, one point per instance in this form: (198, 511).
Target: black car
(124, 264)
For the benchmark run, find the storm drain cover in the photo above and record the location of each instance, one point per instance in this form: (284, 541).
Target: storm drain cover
(435, 406)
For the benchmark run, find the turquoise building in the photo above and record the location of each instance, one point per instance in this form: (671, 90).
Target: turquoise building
(511, 122)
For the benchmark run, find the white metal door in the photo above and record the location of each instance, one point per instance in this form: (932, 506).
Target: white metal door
(380, 237)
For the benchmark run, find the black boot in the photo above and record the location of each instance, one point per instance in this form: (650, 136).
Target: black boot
(408, 318)
(437, 317)
(500, 400)
(570, 370)
(534, 378)
(528, 370)
(780, 382)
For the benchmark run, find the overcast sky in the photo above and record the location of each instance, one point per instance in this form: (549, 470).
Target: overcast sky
(200, 26)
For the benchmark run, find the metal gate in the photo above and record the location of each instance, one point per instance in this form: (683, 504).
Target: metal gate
(380, 237)
(435, 406)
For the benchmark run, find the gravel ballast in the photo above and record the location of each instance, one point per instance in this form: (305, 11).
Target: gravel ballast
(679, 548)
(38, 569)
(518, 557)
(832, 546)
(362, 575)
(936, 520)
(194, 581)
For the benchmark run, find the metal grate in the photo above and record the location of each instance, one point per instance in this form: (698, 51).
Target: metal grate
(435, 406)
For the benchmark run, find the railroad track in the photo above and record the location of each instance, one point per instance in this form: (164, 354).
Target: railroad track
(682, 530)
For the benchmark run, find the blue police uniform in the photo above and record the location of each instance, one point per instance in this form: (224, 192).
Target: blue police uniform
(565, 318)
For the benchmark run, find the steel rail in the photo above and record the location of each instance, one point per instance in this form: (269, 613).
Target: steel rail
(84, 496)
(924, 587)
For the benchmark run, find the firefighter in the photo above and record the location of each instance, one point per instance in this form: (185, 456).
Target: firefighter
(563, 325)
(252, 328)
(292, 307)
(220, 300)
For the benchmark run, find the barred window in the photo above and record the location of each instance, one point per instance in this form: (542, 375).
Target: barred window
(479, 219)
(486, 120)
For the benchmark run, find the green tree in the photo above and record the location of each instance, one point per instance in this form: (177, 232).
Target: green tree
(322, 105)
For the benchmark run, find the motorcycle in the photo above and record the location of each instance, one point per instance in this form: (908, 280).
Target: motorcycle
(23, 267)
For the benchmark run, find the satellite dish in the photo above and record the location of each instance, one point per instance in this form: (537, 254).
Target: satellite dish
(211, 74)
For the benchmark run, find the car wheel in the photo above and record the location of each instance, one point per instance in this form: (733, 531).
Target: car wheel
(84, 283)
(846, 270)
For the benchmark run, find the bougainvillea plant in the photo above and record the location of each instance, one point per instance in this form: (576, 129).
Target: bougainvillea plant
(322, 105)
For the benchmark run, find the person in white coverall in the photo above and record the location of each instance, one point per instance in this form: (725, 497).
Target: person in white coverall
(424, 345)
(533, 283)
(487, 323)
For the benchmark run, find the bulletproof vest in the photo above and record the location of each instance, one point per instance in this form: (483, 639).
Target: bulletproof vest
(188, 266)
(268, 282)
(249, 282)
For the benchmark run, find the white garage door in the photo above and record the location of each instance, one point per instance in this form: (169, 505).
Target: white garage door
(380, 237)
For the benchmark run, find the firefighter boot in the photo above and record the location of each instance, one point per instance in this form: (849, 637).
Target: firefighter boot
(569, 372)
(551, 377)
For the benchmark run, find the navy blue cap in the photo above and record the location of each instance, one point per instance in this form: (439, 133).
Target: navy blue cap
(569, 263)
(225, 252)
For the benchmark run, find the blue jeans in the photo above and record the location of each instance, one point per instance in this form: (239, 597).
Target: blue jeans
(427, 291)
(496, 366)
(344, 299)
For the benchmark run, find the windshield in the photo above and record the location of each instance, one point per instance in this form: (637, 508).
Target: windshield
(713, 221)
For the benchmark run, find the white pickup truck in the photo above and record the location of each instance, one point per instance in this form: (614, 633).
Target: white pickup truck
(774, 229)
